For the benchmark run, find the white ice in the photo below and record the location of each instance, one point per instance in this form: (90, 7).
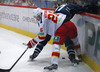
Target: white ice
(11, 48)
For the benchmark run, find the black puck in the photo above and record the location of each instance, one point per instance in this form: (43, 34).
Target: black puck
(63, 57)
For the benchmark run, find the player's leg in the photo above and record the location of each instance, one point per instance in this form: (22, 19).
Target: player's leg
(77, 48)
(74, 38)
(59, 39)
(36, 52)
(39, 47)
(71, 53)
(70, 49)
(55, 57)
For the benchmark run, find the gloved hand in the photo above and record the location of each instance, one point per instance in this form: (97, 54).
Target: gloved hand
(31, 43)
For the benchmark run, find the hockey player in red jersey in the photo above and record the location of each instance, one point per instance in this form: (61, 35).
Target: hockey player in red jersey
(70, 10)
(52, 24)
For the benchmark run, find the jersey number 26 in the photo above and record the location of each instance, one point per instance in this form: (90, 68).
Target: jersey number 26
(53, 16)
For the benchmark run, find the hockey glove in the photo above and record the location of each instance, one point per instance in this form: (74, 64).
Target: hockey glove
(32, 43)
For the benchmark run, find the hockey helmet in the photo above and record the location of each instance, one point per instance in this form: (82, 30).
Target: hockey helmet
(37, 12)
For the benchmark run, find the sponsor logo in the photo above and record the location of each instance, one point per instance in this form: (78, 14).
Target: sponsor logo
(56, 38)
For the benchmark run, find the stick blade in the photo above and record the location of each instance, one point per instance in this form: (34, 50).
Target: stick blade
(4, 70)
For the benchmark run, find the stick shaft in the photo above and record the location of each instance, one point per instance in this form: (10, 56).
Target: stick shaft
(24, 44)
(8, 70)
(19, 58)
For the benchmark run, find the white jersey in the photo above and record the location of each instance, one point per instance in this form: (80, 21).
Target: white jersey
(48, 24)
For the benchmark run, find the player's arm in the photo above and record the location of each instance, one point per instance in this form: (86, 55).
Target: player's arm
(41, 44)
(34, 41)
(79, 9)
(40, 37)
(44, 42)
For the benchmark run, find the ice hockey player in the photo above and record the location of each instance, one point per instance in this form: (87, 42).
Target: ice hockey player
(70, 10)
(64, 9)
(53, 24)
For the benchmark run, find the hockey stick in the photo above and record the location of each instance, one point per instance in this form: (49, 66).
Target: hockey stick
(24, 44)
(8, 70)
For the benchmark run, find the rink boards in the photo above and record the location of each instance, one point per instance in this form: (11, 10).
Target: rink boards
(20, 19)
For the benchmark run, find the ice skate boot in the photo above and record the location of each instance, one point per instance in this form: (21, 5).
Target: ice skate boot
(74, 61)
(80, 58)
(33, 56)
(52, 67)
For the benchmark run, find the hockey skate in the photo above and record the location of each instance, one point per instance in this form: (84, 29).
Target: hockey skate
(79, 58)
(33, 56)
(51, 68)
(74, 61)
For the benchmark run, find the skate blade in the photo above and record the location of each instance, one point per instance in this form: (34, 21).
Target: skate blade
(81, 62)
(75, 64)
(46, 70)
(30, 60)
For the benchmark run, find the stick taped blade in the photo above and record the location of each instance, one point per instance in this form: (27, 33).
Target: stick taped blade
(4, 70)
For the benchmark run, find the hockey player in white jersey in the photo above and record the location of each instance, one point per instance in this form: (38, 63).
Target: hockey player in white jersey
(69, 10)
(53, 24)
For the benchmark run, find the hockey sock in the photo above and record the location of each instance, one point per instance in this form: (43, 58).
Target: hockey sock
(71, 53)
(38, 48)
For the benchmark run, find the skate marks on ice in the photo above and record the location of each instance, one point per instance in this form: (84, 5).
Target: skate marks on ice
(12, 48)
(0, 52)
(50, 70)
(44, 59)
(64, 65)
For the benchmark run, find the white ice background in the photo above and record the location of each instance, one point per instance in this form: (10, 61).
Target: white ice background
(11, 48)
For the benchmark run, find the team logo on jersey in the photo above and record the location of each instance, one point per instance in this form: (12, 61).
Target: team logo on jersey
(41, 34)
(41, 29)
(56, 38)
(59, 20)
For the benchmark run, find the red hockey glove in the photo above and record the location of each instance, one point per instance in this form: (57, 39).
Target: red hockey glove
(32, 43)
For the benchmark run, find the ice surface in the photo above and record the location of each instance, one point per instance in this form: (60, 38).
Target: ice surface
(11, 48)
